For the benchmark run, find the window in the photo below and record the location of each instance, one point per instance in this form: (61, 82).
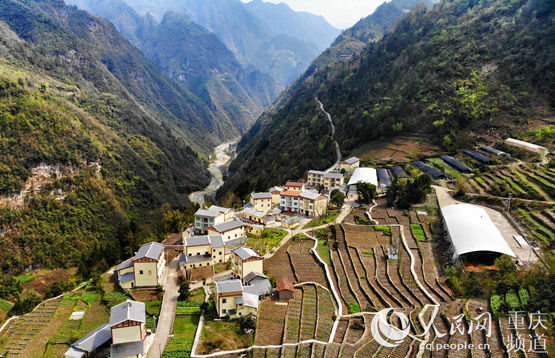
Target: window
(224, 300)
(224, 310)
(199, 265)
(140, 272)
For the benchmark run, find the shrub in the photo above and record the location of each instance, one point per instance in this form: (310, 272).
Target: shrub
(524, 296)
(354, 308)
(512, 300)
(496, 302)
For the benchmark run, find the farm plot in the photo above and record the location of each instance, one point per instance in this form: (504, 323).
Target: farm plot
(392, 274)
(540, 223)
(270, 323)
(326, 312)
(305, 265)
(347, 296)
(309, 314)
(458, 337)
(293, 318)
(279, 266)
(364, 237)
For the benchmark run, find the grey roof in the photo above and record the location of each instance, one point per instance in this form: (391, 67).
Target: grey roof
(259, 287)
(152, 250)
(228, 225)
(127, 349)
(236, 242)
(254, 212)
(292, 219)
(130, 276)
(251, 276)
(311, 195)
(74, 353)
(127, 311)
(384, 178)
(351, 160)
(261, 195)
(94, 339)
(276, 188)
(487, 148)
(125, 264)
(229, 286)
(245, 253)
(213, 240)
(317, 172)
(333, 175)
(212, 211)
(193, 259)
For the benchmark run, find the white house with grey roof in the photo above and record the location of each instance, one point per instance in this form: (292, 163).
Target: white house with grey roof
(234, 300)
(228, 230)
(245, 260)
(145, 269)
(214, 215)
(349, 165)
(126, 332)
(202, 251)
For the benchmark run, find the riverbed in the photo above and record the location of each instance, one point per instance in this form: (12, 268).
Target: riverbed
(222, 153)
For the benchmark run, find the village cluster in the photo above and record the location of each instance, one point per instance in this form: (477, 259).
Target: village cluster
(219, 236)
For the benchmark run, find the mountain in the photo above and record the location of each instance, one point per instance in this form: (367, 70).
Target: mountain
(460, 69)
(194, 58)
(246, 29)
(94, 139)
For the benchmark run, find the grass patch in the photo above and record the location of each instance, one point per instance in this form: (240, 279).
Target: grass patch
(188, 307)
(514, 185)
(196, 295)
(269, 239)
(223, 336)
(479, 180)
(354, 308)
(368, 252)
(524, 296)
(5, 305)
(324, 251)
(512, 300)
(322, 220)
(115, 298)
(26, 277)
(88, 298)
(418, 232)
(541, 232)
(181, 343)
(384, 228)
(153, 307)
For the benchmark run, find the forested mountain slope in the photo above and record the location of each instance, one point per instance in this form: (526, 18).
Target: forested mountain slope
(196, 59)
(462, 66)
(93, 139)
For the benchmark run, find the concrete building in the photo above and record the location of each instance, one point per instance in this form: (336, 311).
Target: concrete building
(233, 302)
(276, 191)
(326, 180)
(253, 215)
(145, 269)
(229, 230)
(289, 201)
(349, 165)
(285, 290)
(245, 260)
(261, 201)
(202, 251)
(126, 331)
(206, 218)
(295, 186)
(313, 204)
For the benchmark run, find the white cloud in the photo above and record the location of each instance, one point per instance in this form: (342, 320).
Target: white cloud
(340, 13)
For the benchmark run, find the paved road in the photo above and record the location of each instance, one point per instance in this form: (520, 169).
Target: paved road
(167, 312)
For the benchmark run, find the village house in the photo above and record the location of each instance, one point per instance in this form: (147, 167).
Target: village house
(296, 186)
(126, 332)
(202, 251)
(285, 290)
(326, 180)
(289, 201)
(313, 204)
(315, 178)
(261, 201)
(257, 283)
(256, 229)
(291, 223)
(245, 260)
(253, 215)
(206, 218)
(233, 302)
(275, 191)
(145, 269)
(349, 165)
(229, 230)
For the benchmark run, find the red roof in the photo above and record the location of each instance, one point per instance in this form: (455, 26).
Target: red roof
(290, 193)
(294, 184)
(284, 285)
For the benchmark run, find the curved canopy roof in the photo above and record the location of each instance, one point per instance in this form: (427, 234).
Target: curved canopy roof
(472, 230)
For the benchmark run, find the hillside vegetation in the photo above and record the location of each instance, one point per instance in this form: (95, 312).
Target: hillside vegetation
(460, 67)
(110, 129)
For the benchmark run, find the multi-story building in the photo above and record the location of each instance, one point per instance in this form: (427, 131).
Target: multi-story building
(145, 269)
(275, 191)
(261, 201)
(245, 260)
(315, 178)
(313, 204)
(228, 230)
(289, 201)
(295, 186)
(232, 301)
(201, 251)
(350, 164)
(326, 180)
(206, 218)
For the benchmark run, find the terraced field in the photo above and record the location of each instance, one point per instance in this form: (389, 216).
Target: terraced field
(293, 318)
(306, 267)
(271, 322)
(279, 265)
(326, 311)
(309, 314)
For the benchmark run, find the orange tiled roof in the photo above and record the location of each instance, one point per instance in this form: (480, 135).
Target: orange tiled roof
(291, 193)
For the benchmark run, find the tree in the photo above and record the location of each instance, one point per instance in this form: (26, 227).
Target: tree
(184, 290)
(337, 198)
(366, 192)
(247, 324)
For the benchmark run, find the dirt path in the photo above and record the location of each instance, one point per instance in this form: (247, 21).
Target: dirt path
(337, 149)
(222, 158)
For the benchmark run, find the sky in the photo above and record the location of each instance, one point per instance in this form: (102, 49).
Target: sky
(340, 13)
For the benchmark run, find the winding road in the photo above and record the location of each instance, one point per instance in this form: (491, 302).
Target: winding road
(337, 149)
(222, 158)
